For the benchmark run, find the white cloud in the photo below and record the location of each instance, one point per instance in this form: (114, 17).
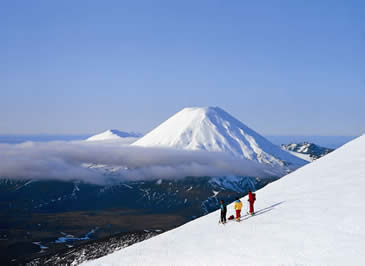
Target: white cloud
(63, 161)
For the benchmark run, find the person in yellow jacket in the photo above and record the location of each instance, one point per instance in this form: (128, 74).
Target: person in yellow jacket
(238, 206)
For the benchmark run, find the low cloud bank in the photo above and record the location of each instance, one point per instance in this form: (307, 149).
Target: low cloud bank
(67, 160)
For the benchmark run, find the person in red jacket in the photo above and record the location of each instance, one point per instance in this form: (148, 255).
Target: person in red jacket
(251, 200)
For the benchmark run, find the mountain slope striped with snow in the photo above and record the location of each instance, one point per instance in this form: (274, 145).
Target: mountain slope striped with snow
(306, 150)
(313, 216)
(213, 129)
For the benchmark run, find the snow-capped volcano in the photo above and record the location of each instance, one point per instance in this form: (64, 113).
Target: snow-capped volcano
(313, 216)
(113, 135)
(213, 129)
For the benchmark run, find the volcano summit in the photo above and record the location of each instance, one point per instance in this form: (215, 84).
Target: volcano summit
(212, 129)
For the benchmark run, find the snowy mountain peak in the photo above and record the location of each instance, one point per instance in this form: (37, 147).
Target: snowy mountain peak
(213, 129)
(113, 134)
(203, 111)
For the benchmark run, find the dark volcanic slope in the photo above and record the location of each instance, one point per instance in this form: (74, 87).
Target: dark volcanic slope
(37, 213)
(92, 250)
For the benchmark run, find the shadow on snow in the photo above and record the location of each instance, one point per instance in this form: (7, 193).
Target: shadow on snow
(262, 211)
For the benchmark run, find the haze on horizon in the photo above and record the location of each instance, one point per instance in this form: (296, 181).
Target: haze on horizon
(294, 68)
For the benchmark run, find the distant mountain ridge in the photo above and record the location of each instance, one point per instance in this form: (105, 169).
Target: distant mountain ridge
(213, 129)
(312, 150)
(113, 134)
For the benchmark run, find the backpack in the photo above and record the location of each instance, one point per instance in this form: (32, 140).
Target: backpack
(231, 217)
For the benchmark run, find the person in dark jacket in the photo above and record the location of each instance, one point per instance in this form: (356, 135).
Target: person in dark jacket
(223, 207)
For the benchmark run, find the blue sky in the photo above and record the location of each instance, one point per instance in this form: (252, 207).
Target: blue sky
(281, 67)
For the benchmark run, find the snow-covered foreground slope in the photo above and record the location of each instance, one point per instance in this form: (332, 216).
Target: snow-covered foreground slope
(213, 129)
(313, 216)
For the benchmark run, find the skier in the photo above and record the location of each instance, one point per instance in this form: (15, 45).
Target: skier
(251, 200)
(238, 206)
(223, 212)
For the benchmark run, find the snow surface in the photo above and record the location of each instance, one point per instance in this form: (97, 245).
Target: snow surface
(115, 135)
(303, 156)
(313, 216)
(213, 129)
